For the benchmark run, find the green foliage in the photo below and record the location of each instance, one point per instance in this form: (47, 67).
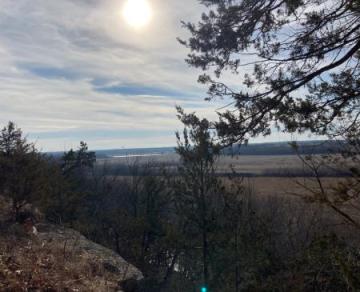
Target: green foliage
(297, 64)
(191, 229)
(206, 210)
(24, 172)
(77, 161)
(70, 179)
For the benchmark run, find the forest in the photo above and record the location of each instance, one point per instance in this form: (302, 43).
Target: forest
(195, 227)
(191, 229)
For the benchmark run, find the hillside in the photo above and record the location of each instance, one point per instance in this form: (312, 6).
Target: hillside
(58, 259)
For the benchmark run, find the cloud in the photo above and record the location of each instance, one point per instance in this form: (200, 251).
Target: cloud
(71, 70)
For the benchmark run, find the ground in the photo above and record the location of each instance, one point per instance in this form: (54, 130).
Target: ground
(57, 259)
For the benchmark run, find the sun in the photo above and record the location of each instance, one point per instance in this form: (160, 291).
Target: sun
(137, 13)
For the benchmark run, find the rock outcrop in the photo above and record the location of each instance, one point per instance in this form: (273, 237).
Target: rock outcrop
(59, 259)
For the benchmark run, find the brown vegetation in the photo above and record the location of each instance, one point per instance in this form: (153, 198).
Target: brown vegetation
(57, 259)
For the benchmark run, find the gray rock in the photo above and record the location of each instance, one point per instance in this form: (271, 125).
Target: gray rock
(73, 243)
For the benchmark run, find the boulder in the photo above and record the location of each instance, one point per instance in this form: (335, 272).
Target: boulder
(60, 259)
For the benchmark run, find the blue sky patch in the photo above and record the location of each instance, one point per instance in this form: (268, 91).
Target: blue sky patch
(50, 72)
(137, 89)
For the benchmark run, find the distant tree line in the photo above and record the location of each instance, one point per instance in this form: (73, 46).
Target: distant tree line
(194, 229)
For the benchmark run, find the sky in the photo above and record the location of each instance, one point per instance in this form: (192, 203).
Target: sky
(75, 70)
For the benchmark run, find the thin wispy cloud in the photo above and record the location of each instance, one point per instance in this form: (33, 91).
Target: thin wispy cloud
(73, 70)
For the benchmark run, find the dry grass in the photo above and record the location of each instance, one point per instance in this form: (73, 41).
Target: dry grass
(28, 264)
(247, 165)
(56, 259)
(285, 186)
(260, 164)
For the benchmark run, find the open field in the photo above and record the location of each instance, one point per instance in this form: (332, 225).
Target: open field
(243, 165)
(288, 186)
(261, 165)
(255, 164)
(269, 175)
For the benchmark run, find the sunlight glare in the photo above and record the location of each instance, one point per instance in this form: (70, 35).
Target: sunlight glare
(137, 13)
